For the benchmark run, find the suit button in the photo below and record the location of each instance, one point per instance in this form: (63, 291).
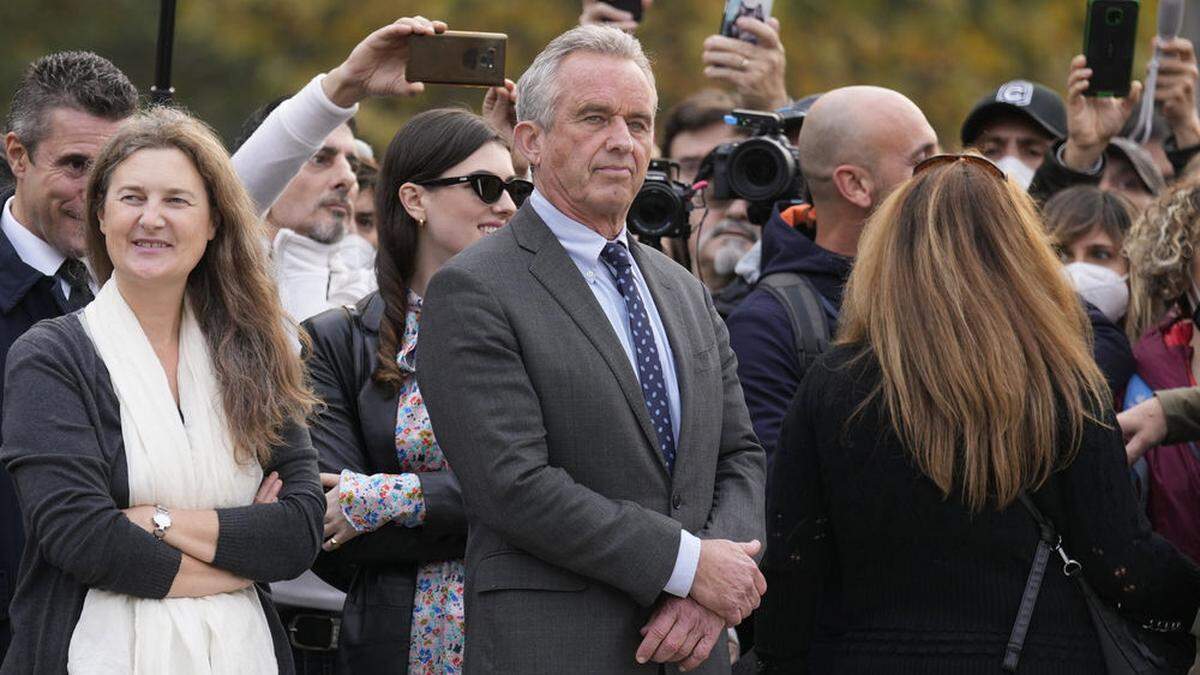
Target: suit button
(676, 501)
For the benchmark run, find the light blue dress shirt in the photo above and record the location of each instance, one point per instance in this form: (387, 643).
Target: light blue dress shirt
(583, 246)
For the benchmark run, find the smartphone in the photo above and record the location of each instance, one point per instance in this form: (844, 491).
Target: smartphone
(1110, 37)
(634, 7)
(759, 9)
(457, 57)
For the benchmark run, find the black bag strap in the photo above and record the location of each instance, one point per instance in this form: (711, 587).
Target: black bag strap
(803, 305)
(1048, 540)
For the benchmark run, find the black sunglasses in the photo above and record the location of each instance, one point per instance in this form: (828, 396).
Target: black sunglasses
(487, 186)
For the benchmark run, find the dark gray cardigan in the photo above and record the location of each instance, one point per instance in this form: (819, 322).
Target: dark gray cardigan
(64, 449)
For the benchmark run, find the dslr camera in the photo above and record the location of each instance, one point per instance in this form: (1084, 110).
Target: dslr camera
(662, 206)
(763, 169)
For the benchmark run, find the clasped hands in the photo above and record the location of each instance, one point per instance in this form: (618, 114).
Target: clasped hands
(726, 589)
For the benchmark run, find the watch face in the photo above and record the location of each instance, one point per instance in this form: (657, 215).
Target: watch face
(162, 521)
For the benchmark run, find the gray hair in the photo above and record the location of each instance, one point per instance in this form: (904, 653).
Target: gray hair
(537, 90)
(80, 81)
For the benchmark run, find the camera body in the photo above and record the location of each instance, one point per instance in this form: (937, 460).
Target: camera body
(662, 206)
(762, 169)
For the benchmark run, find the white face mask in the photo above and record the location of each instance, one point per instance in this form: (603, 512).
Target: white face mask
(1017, 170)
(1100, 286)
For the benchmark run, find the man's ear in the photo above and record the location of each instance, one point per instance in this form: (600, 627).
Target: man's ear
(411, 199)
(18, 156)
(855, 185)
(527, 139)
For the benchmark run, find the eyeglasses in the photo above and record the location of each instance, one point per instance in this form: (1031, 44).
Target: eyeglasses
(940, 160)
(487, 186)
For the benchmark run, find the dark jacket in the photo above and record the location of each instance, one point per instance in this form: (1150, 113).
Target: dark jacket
(355, 429)
(761, 335)
(26, 297)
(1053, 176)
(1111, 349)
(919, 584)
(64, 448)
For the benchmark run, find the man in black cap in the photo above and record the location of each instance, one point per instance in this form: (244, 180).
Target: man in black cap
(1015, 125)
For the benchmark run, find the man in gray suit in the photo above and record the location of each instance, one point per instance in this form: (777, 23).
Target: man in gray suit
(583, 389)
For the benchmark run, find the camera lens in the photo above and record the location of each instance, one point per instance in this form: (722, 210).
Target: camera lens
(654, 209)
(1114, 16)
(761, 169)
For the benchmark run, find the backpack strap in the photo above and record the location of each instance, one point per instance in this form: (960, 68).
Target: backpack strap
(805, 312)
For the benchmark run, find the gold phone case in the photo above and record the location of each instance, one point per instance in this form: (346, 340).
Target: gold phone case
(457, 57)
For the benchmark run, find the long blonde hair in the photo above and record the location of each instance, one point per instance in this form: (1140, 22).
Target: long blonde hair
(1160, 248)
(231, 289)
(982, 344)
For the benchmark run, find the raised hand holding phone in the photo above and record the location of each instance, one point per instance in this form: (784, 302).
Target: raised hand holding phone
(377, 66)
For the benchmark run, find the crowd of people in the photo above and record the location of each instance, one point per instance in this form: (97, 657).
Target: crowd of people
(306, 408)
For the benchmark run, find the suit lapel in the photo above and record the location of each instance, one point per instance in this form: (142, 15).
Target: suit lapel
(670, 303)
(553, 268)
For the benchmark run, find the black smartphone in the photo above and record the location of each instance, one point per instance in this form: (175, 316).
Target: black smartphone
(457, 57)
(634, 7)
(1110, 36)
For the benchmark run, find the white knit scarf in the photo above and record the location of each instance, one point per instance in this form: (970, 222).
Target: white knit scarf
(186, 463)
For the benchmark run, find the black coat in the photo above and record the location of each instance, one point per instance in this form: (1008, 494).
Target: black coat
(870, 569)
(355, 429)
(26, 297)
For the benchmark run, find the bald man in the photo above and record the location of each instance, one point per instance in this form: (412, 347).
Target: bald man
(856, 145)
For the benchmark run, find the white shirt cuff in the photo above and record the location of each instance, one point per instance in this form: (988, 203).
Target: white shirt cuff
(686, 561)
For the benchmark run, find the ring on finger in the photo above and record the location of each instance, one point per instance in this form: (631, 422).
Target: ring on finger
(745, 62)
(333, 542)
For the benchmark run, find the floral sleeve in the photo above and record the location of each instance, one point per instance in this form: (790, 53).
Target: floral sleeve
(369, 502)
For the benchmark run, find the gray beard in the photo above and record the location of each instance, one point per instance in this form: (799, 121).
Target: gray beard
(328, 232)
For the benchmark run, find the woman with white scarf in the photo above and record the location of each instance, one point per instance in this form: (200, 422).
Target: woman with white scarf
(139, 430)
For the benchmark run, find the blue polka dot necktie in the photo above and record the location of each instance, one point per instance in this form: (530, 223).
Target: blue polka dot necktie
(649, 367)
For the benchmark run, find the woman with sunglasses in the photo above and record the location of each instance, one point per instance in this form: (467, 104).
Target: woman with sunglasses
(395, 530)
(961, 383)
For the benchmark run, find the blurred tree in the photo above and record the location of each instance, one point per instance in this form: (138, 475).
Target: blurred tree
(233, 55)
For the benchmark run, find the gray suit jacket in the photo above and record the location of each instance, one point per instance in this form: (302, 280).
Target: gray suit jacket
(574, 519)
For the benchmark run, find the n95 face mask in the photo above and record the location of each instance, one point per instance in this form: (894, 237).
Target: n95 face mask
(1017, 170)
(1100, 286)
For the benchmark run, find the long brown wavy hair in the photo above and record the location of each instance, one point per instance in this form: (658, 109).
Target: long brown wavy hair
(1160, 247)
(982, 344)
(232, 293)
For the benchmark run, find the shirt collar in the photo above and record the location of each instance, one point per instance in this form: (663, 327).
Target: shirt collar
(581, 242)
(29, 247)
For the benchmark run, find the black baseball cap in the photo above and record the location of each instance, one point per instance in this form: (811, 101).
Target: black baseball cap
(1038, 103)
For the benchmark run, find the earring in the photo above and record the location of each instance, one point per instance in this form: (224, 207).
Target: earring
(420, 222)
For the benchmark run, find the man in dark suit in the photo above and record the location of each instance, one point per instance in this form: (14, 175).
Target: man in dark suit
(65, 108)
(583, 389)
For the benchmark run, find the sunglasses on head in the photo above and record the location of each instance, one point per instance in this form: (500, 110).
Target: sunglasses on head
(487, 186)
(941, 160)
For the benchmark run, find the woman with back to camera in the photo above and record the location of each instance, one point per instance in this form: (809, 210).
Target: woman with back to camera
(961, 379)
(394, 508)
(138, 430)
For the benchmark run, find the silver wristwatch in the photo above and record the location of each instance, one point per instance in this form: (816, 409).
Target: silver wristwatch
(161, 520)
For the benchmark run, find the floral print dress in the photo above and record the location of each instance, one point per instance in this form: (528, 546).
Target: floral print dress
(371, 502)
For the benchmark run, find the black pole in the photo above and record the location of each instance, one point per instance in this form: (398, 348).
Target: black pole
(162, 91)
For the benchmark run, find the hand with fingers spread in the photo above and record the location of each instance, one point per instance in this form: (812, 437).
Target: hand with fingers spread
(1092, 120)
(728, 580)
(338, 530)
(500, 110)
(376, 66)
(602, 13)
(680, 631)
(1175, 90)
(1143, 426)
(756, 71)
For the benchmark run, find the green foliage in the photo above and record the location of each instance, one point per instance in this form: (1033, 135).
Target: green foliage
(233, 55)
